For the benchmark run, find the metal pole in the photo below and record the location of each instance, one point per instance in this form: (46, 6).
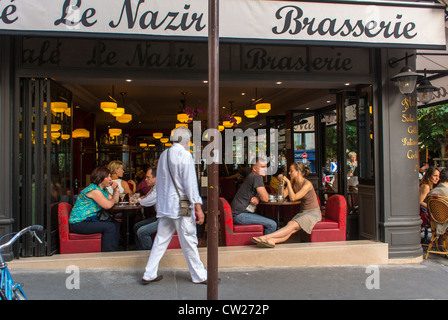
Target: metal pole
(212, 169)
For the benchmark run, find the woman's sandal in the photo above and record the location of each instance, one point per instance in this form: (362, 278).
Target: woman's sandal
(262, 243)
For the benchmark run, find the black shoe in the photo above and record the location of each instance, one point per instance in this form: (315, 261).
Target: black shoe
(158, 278)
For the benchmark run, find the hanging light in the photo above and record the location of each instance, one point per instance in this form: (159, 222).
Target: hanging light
(80, 133)
(221, 128)
(53, 127)
(143, 145)
(181, 125)
(250, 113)
(425, 90)
(168, 144)
(157, 135)
(55, 134)
(164, 140)
(227, 124)
(59, 106)
(263, 107)
(406, 78)
(68, 112)
(108, 106)
(118, 112)
(113, 132)
(125, 118)
(238, 119)
(65, 136)
(183, 117)
(151, 145)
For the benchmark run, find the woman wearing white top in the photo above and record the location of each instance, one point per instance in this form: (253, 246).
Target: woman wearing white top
(116, 173)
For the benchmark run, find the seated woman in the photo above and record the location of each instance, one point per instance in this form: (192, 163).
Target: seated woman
(116, 169)
(428, 182)
(298, 188)
(83, 218)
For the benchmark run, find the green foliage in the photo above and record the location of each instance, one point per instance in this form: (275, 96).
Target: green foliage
(433, 128)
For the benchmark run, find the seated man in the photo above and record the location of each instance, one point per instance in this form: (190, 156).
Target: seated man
(251, 192)
(145, 228)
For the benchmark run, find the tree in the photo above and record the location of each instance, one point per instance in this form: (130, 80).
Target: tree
(433, 128)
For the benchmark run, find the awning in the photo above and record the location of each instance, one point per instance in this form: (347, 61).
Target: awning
(394, 24)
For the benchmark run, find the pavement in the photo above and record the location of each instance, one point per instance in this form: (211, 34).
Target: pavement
(425, 280)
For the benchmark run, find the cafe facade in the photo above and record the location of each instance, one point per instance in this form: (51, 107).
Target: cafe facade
(307, 44)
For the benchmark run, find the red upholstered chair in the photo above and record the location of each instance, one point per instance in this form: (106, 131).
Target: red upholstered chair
(227, 188)
(333, 225)
(235, 235)
(73, 242)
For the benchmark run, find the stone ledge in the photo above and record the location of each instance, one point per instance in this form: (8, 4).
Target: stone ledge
(284, 255)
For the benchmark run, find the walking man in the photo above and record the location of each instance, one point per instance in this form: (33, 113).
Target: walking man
(180, 168)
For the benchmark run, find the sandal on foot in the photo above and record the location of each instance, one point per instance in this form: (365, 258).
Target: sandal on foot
(265, 244)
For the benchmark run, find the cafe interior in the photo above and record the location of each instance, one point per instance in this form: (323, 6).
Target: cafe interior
(95, 121)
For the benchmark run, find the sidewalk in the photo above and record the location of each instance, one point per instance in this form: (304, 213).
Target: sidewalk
(426, 280)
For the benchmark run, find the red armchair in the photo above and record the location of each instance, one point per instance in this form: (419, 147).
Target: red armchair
(236, 235)
(73, 242)
(333, 225)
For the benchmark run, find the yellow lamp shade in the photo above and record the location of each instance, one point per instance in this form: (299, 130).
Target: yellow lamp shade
(65, 136)
(157, 135)
(143, 145)
(115, 132)
(54, 127)
(125, 118)
(81, 133)
(263, 107)
(68, 112)
(220, 128)
(250, 113)
(118, 112)
(181, 125)
(151, 145)
(169, 144)
(108, 106)
(55, 135)
(182, 117)
(164, 140)
(227, 124)
(238, 119)
(59, 106)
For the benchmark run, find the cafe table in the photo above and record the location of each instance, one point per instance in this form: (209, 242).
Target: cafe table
(278, 205)
(126, 209)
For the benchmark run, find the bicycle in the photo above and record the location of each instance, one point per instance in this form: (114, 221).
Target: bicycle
(8, 289)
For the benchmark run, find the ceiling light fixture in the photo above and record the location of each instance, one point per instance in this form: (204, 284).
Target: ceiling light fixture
(250, 113)
(125, 118)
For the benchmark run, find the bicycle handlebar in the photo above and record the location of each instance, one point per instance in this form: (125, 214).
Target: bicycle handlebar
(36, 228)
(30, 229)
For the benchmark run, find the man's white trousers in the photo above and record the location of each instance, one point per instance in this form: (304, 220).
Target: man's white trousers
(186, 231)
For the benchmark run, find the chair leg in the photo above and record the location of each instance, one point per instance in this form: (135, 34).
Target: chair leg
(433, 238)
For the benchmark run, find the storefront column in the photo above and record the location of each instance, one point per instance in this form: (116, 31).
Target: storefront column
(399, 207)
(6, 129)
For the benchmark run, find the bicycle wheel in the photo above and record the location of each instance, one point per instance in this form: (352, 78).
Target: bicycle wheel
(2, 295)
(18, 294)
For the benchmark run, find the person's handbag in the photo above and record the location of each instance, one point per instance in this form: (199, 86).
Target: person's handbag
(184, 203)
(104, 216)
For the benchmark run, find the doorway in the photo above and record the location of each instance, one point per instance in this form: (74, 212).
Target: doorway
(43, 174)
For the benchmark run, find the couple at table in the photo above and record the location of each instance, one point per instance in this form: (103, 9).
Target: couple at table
(252, 191)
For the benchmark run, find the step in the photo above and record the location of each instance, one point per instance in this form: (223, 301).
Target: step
(361, 252)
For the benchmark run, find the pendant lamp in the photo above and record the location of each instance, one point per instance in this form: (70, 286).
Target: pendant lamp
(263, 107)
(108, 106)
(125, 118)
(250, 113)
